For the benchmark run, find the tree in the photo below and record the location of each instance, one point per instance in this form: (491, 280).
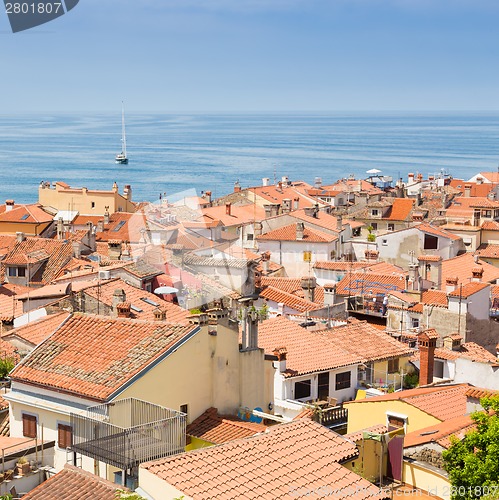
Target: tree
(6, 366)
(473, 462)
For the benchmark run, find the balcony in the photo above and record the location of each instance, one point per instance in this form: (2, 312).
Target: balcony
(128, 432)
(369, 305)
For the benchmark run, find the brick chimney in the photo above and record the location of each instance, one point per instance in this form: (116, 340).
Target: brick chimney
(451, 284)
(280, 353)
(467, 190)
(228, 208)
(427, 343)
(477, 273)
(300, 230)
(123, 309)
(237, 187)
(159, 314)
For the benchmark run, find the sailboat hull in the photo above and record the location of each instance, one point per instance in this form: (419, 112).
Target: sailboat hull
(122, 161)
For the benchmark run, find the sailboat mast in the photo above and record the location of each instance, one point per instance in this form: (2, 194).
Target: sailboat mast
(123, 134)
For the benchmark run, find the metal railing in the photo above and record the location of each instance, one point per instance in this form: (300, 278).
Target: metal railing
(128, 432)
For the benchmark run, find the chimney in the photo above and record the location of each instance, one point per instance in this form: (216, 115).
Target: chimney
(427, 344)
(410, 178)
(228, 208)
(100, 226)
(268, 211)
(300, 230)
(159, 314)
(106, 216)
(20, 236)
(114, 249)
(76, 249)
(237, 187)
(491, 196)
(257, 228)
(414, 276)
(286, 205)
(285, 181)
(250, 327)
(123, 309)
(265, 181)
(275, 208)
(60, 228)
(265, 262)
(329, 294)
(453, 342)
(479, 180)
(309, 211)
(207, 197)
(9, 205)
(280, 353)
(127, 192)
(420, 177)
(467, 190)
(318, 182)
(119, 296)
(451, 284)
(339, 222)
(477, 273)
(296, 203)
(308, 286)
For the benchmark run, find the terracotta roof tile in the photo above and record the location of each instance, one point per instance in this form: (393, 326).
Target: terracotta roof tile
(357, 435)
(288, 233)
(429, 258)
(37, 331)
(301, 456)
(461, 267)
(322, 219)
(239, 214)
(468, 289)
(72, 483)
(401, 209)
(440, 433)
(217, 429)
(28, 214)
(10, 307)
(94, 356)
(490, 225)
(443, 402)
(479, 393)
(293, 286)
(339, 265)
(366, 282)
(487, 250)
(434, 230)
(435, 298)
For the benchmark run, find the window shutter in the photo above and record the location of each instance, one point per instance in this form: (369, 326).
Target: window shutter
(64, 436)
(29, 426)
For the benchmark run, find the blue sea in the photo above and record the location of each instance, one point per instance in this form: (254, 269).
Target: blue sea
(174, 153)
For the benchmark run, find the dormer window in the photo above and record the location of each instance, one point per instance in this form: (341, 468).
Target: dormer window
(374, 212)
(17, 271)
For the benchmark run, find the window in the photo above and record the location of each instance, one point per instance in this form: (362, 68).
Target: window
(303, 389)
(249, 237)
(415, 322)
(374, 212)
(343, 380)
(384, 242)
(184, 409)
(12, 271)
(64, 436)
(391, 227)
(323, 381)
(393, 365)
(374, 225)
(430, 242)
(21, 271)
(496, 214)
(356, 231)
(487, 214)
(29, 426)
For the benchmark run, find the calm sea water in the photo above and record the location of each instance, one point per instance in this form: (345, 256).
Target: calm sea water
(173, 153)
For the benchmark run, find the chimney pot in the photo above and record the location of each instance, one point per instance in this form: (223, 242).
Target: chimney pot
(427, 344)
(300, 230)
(20, 236)
(9, 205)
(123, 309)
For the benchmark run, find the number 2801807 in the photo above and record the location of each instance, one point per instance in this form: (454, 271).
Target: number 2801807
(33, 7)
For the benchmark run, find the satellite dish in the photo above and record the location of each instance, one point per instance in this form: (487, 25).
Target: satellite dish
(162, 290)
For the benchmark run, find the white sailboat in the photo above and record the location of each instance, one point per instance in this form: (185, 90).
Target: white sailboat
(122, 158)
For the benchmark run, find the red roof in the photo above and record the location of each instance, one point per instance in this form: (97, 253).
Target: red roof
(93, 356)
(288, 233)
(462, 266)
(298, 456)
(370, 283)
(400, 209)
(217, 429)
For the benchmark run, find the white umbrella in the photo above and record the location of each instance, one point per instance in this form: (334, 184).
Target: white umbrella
(162, 290)
(373, 171)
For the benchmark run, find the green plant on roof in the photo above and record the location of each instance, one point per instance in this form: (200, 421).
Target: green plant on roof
(6, 366)
(127, 495)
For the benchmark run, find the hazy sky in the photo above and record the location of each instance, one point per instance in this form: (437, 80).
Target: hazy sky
(256, 55)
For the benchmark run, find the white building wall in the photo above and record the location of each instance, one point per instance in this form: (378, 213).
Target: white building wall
(478, 374)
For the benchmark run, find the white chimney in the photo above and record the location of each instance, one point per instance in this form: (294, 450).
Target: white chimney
(20, 236)
(265, 181)
(9, 205)
(450, 284)
(300, 230)
(281, 354)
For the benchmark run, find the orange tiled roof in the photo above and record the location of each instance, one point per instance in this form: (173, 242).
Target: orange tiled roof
(239, 214)
(301, 455)
(480, 190)
(339, 265)
(443, 402)
(479, 393)
(400, 209)
(37, 331)
(93, 356)
(490, 225)
(288, 233)
(429, 258)
(10, 307)
(73, 482)
(434, 298)
(488, 251)
(104, 293)
(461, 267)
(322, 219)
(365, 283)
(468, 289)
(434, 230)
(308, 351)
(7, 350)
(292, 285)
(441, 432)
(288, 299)
(27, 214)
(364, 340)
(218, 429)
(375, 429)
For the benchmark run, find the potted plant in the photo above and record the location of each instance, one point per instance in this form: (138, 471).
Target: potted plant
(1, 477)
(22, 466)
(8, 475)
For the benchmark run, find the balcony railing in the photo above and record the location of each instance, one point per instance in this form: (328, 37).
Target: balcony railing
(128, 432)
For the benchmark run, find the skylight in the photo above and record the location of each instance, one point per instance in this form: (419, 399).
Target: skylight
(149, 301)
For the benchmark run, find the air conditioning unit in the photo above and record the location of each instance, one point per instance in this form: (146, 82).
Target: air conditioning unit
(104, 275)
